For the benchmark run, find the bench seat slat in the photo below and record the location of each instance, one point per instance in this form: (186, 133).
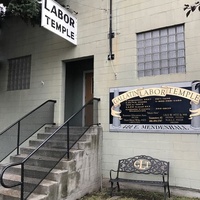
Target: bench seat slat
(144, 182)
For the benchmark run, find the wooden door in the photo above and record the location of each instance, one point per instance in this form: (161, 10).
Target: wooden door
(89, 89)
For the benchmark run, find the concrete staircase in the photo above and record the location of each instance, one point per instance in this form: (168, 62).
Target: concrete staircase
(70, 179)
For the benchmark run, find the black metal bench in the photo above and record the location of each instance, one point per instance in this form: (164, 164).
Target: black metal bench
(142, 164)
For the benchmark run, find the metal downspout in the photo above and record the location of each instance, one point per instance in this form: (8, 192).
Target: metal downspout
(111, 35)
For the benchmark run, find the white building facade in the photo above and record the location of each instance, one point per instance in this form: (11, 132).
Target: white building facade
(154, 44)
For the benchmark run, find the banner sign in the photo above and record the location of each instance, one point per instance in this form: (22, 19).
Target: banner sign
(157, 108)
(59, 20)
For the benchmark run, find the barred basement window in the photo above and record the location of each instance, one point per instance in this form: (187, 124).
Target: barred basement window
(161, 51)
(19, 73)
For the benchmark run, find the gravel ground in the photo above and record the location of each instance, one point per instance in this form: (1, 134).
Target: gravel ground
(131, 195)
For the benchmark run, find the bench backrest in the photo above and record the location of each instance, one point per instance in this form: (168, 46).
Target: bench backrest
(144, 165)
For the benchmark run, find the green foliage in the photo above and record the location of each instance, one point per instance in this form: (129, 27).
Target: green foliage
(5, 2)
(28, 10)
(191, 8)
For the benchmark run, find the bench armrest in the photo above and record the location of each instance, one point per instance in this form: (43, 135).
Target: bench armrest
(114, 172)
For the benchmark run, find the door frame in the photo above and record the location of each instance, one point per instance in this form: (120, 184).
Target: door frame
(84, 75)
(82, 66)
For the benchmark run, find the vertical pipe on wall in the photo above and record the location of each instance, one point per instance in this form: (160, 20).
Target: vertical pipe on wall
(110, 35)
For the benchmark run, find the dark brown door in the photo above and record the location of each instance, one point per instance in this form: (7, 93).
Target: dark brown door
(88, 96)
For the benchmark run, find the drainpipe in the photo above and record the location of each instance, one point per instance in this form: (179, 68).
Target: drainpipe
(111, 35)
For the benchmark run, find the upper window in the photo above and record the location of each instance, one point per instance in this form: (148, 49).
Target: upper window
(19, 73)
(161, 51)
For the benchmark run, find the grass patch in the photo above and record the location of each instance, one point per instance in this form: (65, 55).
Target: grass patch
(131, 195)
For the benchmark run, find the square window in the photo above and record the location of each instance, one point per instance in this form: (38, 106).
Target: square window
(164, 63)
(172, 30)
(148, 65)
(164, 51)
(164, 71)
(172, 54)
(164, 55)
(140, 73)
(147, 35)
(163, 40)
(140, 44)
(172, 62)
(156, 41)
(163, 47)
(141, 59)
(181, 61)
(140, 37)
(156, 72)
(141, 66)
(180, 37)
(180, 29)
(148, 73)
(181, 69)
(148, 58)
(148, 50)
(181, 53)
(156, 34)
(156, 56)
(156, 64)
(172, 38)
(156, 49)
(19, 70)
(163, 32)
(148, 43)
(180, 45)
(140, 51)
(172, 70)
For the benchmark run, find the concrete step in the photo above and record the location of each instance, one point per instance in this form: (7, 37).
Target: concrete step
(72, 129)
(66, 172)
(84, 145)
(30, 183)
(11, 194)
(41, 161)
(50, 144)
(44, 151)
(30, 171)
(62, 136)
(37, 172)
(52, 152)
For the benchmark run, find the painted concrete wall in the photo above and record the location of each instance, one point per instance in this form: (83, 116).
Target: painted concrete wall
(181, 150)
(129, 17)
(49, 52)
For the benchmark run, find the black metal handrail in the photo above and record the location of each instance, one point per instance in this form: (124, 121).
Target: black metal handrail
(67, 124)
(18, 130)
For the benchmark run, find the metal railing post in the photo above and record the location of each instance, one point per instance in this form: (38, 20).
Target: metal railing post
(18, 137)
(22, 181)
(68, 140)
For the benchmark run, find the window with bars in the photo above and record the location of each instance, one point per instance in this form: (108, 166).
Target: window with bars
(161, 51)
(19, 71)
